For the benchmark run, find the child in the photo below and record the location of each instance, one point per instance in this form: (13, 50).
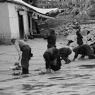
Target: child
(24, 52)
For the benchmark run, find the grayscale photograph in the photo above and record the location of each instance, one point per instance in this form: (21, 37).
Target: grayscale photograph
(47, 47)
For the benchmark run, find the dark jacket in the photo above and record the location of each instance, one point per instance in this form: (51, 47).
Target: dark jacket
(52, 59)
(51, 40)
(26, 55)
(79, 38)
(84, 50)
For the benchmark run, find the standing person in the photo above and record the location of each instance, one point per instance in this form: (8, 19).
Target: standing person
(24, 53)
(51, 39)
(79, 37)
(52, 59)
(78, 34)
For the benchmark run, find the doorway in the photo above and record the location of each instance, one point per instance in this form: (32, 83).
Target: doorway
(21, 26)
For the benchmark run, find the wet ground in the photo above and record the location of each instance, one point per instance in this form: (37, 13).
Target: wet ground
(76, 78)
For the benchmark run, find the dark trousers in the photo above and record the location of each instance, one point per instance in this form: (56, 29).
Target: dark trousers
(25, 71)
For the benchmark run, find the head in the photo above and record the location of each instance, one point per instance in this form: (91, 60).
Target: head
(52, 32)
(16, 64)
(13, 40)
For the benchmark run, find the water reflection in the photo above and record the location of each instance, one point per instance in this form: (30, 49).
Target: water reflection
(68, 77)
(27, 87)
(87, 66)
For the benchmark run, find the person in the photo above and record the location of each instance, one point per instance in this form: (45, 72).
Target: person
(51, 39)
(84, 50)
(79, 37)
(78, 34)
(76, 25)
(52, 59)
(64, 53)
(24, 53)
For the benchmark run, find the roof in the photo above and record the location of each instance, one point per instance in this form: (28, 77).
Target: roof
(40, 11)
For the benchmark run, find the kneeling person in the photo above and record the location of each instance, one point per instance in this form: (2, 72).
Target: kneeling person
(52, 59)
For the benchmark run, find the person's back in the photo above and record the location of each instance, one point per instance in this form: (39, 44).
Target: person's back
(51, 40)
(84, 50)
(64, 53)
(24, 53)
(52, 59)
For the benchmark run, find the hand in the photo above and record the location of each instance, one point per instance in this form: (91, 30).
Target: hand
(19, 58)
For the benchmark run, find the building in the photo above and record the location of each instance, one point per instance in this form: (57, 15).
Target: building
(13, 21)
(16, 19)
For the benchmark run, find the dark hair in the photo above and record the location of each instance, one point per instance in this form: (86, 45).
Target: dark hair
(52, 31)
(13, 40)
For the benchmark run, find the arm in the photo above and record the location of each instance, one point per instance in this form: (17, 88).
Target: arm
(18, 50)
(76, 55)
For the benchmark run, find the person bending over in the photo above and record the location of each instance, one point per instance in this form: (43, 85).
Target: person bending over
(84, 50)
(24, 53)
(64, 53)
(52, 59)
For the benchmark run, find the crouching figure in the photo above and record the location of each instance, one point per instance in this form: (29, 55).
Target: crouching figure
(52, 59)
(84, 50)
(64, 54)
